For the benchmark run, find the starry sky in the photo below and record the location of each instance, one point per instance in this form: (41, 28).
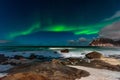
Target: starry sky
(55, 22)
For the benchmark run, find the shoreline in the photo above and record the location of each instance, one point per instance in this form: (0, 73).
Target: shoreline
(94, 63)
(99, 74)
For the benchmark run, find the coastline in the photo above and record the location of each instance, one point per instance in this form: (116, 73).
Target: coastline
(104, 67)
(98, 74)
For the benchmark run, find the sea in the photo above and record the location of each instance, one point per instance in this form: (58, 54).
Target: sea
(50, 51)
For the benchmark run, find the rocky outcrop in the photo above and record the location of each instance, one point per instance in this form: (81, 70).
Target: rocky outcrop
(94, 55)
(48, 70)
(96, 63)
(93, 59)
(104, 42)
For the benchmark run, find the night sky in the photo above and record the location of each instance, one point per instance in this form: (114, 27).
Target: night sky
(55, 22)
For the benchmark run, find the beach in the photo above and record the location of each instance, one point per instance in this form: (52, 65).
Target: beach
(99, 74)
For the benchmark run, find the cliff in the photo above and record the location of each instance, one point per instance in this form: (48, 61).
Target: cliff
(105, 42)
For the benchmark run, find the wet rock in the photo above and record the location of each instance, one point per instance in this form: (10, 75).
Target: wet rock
(115, 56)
(18, 62)
(40, 57)
(2, 58)
(19, 57)
(55, 52)
(94, 55)
(103, 63)
(64, 51)
(32, 56)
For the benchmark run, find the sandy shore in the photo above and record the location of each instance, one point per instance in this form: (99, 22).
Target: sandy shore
(99, 74)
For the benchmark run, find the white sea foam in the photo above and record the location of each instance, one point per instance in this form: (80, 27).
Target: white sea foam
(3, 74)
(82, 53)
(74, 52)
(4, 68)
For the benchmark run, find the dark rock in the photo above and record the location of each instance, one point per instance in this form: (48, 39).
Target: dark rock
(2, 55)
(94, 55)
(65, 51)
(32, 56)
(115, 56)
(3, 58)
(19, 57)
(40, 57)
(55, 52)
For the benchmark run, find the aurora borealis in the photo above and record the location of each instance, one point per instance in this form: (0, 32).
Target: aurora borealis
(28, 31)
(46, 22)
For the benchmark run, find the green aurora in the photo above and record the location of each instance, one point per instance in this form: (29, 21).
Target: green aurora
(34, 28)
(77, 30)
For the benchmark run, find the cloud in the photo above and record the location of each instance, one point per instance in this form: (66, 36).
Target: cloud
(71, 41)
(79, 41)
(4, 41)
(82, 39)
(116, 15)
(112, 31)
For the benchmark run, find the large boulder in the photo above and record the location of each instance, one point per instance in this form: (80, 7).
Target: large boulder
(94, 55)
(64, 51)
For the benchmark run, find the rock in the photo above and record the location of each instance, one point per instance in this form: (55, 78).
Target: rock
(104, 65)
(1, 78)
(19, 57)
(25, 76)
(51, 71)
(111, 61)
(105, 42)
(94, 55)
(64, 51)
(32, 56)
(2, 55)
(2, 58)
(57, 61)
(73, 61)
(115, 56)
(40, 57)
(55, 52)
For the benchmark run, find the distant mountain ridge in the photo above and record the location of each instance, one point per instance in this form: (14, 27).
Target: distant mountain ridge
(105, 42)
